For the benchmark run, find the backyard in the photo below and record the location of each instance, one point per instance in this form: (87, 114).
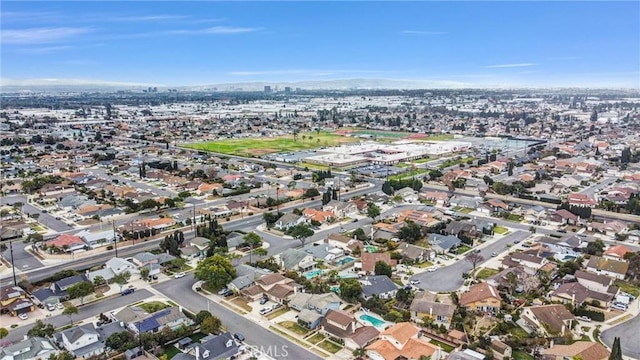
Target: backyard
(256, 147)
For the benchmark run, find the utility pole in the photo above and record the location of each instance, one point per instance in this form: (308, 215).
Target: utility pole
(115, 237)
(13, 266)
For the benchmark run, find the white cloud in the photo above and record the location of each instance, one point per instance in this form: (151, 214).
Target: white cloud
(40, 35)
(311, 72)
(146, 18)
(421, 32)
(510, 65)
(566, 58)
(41, 50)
(53, 82)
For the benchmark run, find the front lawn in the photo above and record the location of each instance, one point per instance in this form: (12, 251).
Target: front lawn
(500, 230)
(521, 355)
(293, 327)
(316, 338)
(462, 249)
(445, 347)
(242, 303)
(425, 264)
(628, 287)
(486, 273)
(277, 313)
(171, 351)
(153, 306)
(330, 346)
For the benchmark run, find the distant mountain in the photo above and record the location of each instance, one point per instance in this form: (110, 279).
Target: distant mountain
(338, 84)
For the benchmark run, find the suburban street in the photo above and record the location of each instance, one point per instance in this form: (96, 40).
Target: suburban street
(23, 260)
(84, 312)
(45, 219)
(629, 337)
(449, 278)
(180, 291)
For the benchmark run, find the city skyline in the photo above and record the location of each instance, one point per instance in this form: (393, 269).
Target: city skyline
(470, 44)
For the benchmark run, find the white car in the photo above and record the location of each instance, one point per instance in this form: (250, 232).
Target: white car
(178, 275)
(265, 310)
(414, 282)
(23, 316)
(432, 269)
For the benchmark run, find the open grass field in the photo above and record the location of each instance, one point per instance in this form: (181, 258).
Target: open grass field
(255, 147)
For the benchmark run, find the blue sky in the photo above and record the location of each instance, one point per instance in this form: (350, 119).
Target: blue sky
(446, 43)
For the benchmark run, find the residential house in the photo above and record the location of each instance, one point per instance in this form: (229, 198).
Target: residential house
(595, 282)
(443, 243)
(119, 266)
(320, 303)
(369, 261)
(402, 341)
(616, 252)
(585, 350)
(577, 294)
(461, 228)
(535, 214)
(82, 341)
(407, 194)
(579, 199)
(96, 239)
(414, 253)
(342, 325)
(466, 354)
(379, 285)
(465, 202)
(430, 305)
(246, 276)
(496, 205)
(309, 319)
(287, 221)
(234, 241)
(295, 259)
(341, 209)
(67, 243)
(563, 217)
(14, 300)
(281, 293)
(441, 198)
(610, 228)
(609, 267)
(219, 347)
(320, 216)
(324, 252)
(28, 349)
(547, 320)
(531, 263)
(481, 297)
(500, 350)
(563, 249)
(171, 318)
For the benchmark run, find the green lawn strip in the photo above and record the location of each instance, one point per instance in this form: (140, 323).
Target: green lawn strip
(408, 174)
(425, 264)
(628, 287)
(296, 340)
(153, 306)
(462, 249)
(453, 162)
(316, 338)
(293, 327)
(277, 313)
(466, 210)
(485, 273)
(446, 347)
(171, 351)
(619, 320)
(500, 230)
(521, 355)
(330, 346)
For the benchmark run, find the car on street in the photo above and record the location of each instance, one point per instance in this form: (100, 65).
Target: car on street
(414, 282)
(432, 269)
(477, 251)
(23, 316)
(494, 254)
(238, 336)
(127, 291)
(178, 275)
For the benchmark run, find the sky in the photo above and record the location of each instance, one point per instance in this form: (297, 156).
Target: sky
(475, 44)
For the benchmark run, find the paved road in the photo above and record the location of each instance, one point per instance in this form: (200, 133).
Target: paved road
(629, 338)
(449, 278)
(180, 291)
(84, 312)
(597, 187)
(23, 260)
(44, 218)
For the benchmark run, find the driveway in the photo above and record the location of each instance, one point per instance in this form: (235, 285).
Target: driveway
(449, 278)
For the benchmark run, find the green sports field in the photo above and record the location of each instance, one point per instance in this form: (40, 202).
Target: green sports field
(256, 147)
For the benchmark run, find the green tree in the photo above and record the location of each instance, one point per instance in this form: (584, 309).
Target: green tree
(210, 325)
(410, 232)
(217, 271)
(121, 279)
(144, 273)
(3, 333)
(301, 232)
(350, 289)
(70, 310)
(99, 280)
(80, 290)
(382, 268)
(595, 247)
(253, 240)
(373, 211)
(63, 355)
(616, 351)
(119, 341)
(40, 329)
(201, 316)
(311, 192)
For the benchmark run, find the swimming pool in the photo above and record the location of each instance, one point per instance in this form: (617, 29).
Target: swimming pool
(335, 289)
(345, 260)
(313, 273)
(371, 248)
(349, 276)
(374, 321)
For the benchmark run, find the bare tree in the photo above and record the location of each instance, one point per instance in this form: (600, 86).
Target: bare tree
(474, 259)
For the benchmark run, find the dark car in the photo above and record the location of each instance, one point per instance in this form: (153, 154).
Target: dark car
(264, 300)
(238, 336)
(127, 292)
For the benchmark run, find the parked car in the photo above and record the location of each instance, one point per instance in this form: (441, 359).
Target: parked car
(238, 336)
(264, 300)
(619, 306)
(265, 310)
(223, 291)
(51, 307)
(127, 292)
(23, 316)
(494, 254)
(414, 282)
(276, 306)
(178, 275)
(59, 306)
(432, 269)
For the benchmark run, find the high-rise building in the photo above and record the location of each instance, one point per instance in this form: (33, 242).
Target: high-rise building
(287, 89)
(267, 89)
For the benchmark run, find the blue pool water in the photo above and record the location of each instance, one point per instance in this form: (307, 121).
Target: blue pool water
(374, 321)
(349, 276)
(313, 273)
(345, 260)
